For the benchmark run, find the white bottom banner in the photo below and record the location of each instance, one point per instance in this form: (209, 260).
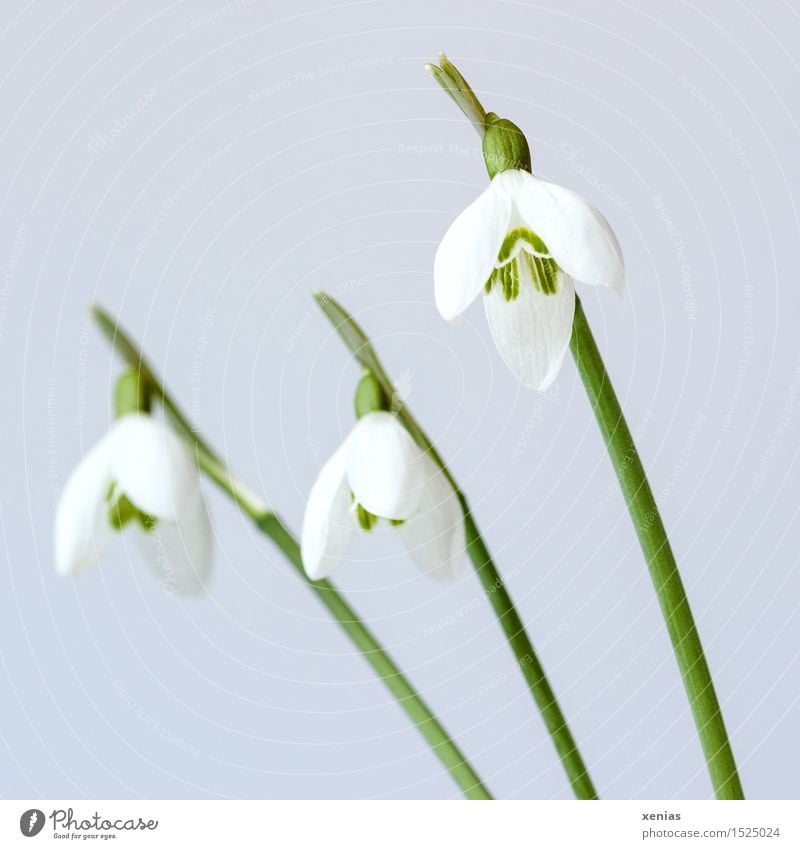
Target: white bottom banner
(353, 825)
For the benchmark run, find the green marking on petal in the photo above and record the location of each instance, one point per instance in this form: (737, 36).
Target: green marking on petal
(529, 240)
(513, 272)
(543, 272)
(396, 523)
(522, 245)
(366, 520)
(111, 489)
(123, 511)
(508, 283)
(495, 278)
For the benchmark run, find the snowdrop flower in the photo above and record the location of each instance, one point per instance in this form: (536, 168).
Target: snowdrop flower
(140, 478)
(522, 242)
(379, 472)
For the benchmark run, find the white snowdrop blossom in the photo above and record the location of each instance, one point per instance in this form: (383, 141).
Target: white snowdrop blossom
(140, 478)
(522, 242)
(379, 472)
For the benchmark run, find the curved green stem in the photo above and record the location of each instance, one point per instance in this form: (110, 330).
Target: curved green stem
(529, 663)
(359, 345)
(271, 525)
(660, 560)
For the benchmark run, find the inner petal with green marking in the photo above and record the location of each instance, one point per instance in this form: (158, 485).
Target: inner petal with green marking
(523, 259)
(366, 520)
(121, 511)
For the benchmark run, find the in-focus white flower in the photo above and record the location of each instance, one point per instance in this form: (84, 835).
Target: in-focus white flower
(380, 473)
(140, 477)
(522, 242)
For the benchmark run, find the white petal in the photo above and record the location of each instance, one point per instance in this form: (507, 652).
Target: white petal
(82, 529)
(385, 467)
(468, 251)
(329, 522)
(153, 466)
(434, 535)
(180, 551)
(532, 332)
(580, 240)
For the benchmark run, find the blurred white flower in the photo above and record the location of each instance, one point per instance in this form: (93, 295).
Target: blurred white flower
(380, 473)
(140, 477)
(523, 241)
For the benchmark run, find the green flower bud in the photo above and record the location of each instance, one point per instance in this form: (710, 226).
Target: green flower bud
(505, 147)
(130, 394)
(370, 396)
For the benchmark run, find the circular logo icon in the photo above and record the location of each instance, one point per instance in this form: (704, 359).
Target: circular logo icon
(31, 822)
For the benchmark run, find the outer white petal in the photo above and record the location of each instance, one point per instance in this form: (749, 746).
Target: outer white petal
(153, 466)
(466, 256)
(329, 522)
(434, 535)
(532, 332)
(385, 467)
(180, 551)
(82, 530)
(580, 240)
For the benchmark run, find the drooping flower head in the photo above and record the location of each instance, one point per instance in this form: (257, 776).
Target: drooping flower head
(379, 473)
(522, 243)
(139, 479)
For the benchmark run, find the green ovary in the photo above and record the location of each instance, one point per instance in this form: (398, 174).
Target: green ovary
(523, 258)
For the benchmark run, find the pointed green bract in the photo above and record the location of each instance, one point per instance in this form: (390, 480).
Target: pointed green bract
(459, 90)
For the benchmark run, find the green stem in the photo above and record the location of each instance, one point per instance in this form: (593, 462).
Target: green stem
(271, 525)
(398, 685)
(660, 560)
(359, 345)
(529, 663)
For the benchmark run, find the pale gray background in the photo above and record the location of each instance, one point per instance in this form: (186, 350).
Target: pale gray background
(267, 152)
